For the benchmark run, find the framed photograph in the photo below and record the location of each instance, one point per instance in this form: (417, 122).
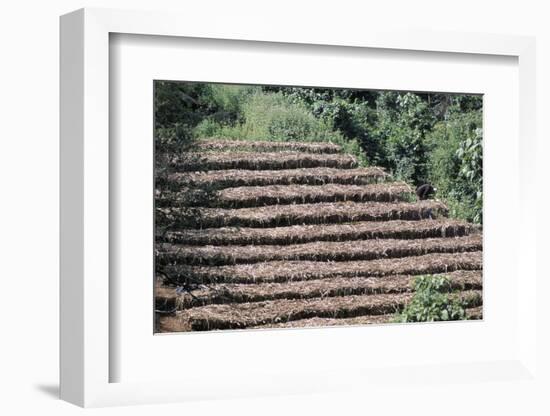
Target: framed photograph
(269, 213)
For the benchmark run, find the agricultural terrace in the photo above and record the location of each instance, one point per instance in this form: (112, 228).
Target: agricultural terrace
(289, 234)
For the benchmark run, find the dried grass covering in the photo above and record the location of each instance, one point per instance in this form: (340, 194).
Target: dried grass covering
(165, 296)
(284, 234)
(471, 314)
(175, 324)
(298, 234)
(255, 196)
(475, 313)
(223, 145)
(195, 161)
(235, 178)
(283, 271)
(283, 215)
(338, 286)
(315, 251)
(243, 315)
(323, 322)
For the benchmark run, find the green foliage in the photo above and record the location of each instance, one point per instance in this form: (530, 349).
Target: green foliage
(349, 112)
(274, 116)
(225, 102)
(181, 106)
(431, 302)
(471, 172)
(177, 103)
(456, 166)
(403, 122)
(354, 120)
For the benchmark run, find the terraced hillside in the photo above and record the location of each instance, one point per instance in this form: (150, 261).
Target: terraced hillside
(285, 234)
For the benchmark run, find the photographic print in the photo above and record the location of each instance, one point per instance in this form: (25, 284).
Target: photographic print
(298, 207)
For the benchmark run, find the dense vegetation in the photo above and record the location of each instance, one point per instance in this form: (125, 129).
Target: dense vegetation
(418, 137)
(432, 302)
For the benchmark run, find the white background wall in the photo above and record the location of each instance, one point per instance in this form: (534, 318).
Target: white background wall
(29, 115)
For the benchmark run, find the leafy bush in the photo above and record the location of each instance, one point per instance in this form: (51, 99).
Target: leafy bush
(456, 167)
(273, 116)
(224, 102)
(404, 119)
(431, 302)
(471, 172)
(177, 103)
(349, 112)
(181, 106)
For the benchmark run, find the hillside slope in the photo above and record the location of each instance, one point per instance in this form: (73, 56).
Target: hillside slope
(290, 234)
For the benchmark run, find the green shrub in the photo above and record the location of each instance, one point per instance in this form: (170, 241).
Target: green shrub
(178, 103)
(431, 302)
(404, 120)
(456, 165)
(273, 116)
(224, 102)
(352, 113)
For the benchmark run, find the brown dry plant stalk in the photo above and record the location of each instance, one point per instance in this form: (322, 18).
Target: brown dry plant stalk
(315, 251)
(283, 215)
(254, 196)
(224, 145)
(233, 178)
(337, 286)
(244, 315)
(196, 161)
(283, 271)
(298, 234)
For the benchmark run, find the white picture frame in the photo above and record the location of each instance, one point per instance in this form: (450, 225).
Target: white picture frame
(86, 351)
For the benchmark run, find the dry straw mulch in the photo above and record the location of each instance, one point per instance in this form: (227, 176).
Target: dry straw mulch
(254, 196)
(471, 314)
(243, 315)
(233, 178)
(283, 271)
(338, 286)
(262, 234)
(175, 324)
(196, 161)
(283, 215)
(323, 322)
(224, 145)
(315, 251)
(297, 234)
(474, 313)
